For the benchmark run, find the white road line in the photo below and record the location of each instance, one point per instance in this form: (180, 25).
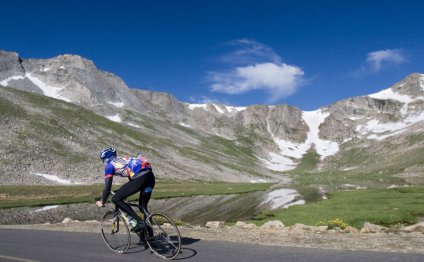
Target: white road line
(18, 259)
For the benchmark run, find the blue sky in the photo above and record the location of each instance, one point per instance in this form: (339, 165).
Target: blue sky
(304, 53)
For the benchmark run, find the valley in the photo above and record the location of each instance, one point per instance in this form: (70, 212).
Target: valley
(58, 113)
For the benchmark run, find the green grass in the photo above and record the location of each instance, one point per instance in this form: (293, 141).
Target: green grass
(309, 161)
(7, 108)
(379, 167)
(380, 206)
(21, 196)
(228, 147)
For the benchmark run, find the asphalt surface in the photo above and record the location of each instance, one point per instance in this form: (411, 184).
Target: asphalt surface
(52, 246)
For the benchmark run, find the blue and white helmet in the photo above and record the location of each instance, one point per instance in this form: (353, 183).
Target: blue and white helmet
(108, 154)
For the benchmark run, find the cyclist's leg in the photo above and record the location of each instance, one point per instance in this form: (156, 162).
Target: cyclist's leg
(146, 193)
(143, 200)
(125, 191)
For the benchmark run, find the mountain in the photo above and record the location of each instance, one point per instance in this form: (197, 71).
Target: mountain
(58, 113)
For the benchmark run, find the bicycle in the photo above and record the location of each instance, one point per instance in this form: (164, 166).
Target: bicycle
(161, 234)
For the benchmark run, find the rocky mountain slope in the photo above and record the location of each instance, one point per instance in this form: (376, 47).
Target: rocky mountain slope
(41, 135)
(66, 110)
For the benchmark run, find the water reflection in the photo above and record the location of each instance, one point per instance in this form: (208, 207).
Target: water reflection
(197, 210)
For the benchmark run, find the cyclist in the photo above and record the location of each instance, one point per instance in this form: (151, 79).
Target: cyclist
(141, 179)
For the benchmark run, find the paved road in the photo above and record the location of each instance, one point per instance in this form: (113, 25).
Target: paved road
(54, 246)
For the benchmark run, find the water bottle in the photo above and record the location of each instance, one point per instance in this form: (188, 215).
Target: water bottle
(131, 221)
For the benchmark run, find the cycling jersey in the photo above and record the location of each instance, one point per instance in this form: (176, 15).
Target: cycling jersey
(128, 167)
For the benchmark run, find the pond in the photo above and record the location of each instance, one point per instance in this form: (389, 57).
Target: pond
(198, 210)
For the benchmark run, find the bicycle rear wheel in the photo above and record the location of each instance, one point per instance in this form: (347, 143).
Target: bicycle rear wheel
(115, 232)
(163, 236)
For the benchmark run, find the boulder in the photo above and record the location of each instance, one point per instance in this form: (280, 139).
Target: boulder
(67, 220)
(250, 226)
(418, 227)
(351, 230)
(92, 221)
(240, 224)
(372, 228)
(274, 224)
(215, 224)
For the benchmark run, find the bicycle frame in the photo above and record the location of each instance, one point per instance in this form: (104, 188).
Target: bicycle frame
(155, 235)
(119, 215)
(117, 209)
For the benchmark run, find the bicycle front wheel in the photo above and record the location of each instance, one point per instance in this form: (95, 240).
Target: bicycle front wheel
(163, 236)
(115, 232)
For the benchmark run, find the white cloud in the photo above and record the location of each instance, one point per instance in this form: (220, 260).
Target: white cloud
(279, 80)
(378, 59)
(256, 66)
(248, 51)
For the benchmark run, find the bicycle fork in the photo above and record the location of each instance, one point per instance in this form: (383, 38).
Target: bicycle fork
(115, 222)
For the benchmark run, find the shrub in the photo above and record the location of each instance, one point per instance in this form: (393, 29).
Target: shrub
(335, 223)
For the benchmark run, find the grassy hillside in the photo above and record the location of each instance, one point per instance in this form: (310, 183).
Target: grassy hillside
(364, 164)
(45, 135)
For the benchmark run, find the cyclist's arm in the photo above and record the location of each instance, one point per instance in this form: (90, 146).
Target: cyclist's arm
(106, 189)
(109, 172)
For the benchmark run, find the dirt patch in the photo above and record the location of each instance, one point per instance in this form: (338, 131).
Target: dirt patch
(387, 242)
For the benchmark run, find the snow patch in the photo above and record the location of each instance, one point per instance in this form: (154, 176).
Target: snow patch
(46, 208)
(390, 94)
(194, 106)
(347, 140)
(282, 161)
(57, 179)
(48, 90)
(350, 168)
(253, 181)
(116, 118)
(380, 131)
(323, 147)
(224, 136)
(134, 125)
(222, 109)
(117, 104)
(235, 108)
(283, 198)
(184, 124)
(354, 118)
(6, 81)
(219, 109)
(376, 130)
(278, 162)
(422, 82)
